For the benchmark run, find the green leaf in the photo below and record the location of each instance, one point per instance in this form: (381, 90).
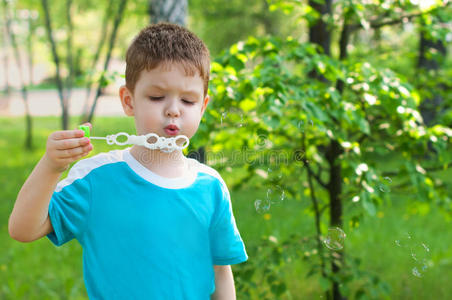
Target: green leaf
(247, 104)
(324, 283)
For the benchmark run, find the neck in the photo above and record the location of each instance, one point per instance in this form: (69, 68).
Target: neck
(172, 164)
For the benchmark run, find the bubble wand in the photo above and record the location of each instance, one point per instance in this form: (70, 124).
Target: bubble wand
(161, 143)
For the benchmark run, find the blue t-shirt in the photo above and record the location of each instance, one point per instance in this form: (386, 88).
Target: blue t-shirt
(145, 236)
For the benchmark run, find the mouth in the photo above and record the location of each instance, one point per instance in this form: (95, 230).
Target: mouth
(171, 129)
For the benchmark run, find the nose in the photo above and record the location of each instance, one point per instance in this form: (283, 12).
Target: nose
(172, 110)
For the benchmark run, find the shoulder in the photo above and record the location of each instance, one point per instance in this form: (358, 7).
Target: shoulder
(85, 166)
(208, 173)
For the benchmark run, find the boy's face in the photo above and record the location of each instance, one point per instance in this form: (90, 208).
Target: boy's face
(166, 101)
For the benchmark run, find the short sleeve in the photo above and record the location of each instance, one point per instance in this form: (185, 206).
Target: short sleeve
(69, 206)
(225, 241)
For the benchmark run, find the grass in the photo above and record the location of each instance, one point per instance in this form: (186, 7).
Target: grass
(40, 270)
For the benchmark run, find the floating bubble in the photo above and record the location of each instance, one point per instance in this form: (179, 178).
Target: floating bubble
(274, 174)
(419, 252)
(424, 267)
(302, 125)
(335, 239)
(404, 241)
(276, 195)
(383, 186)
(421, 267)
(261, 206)
(425, 247)
(416, 272)
(241, 124)
(223, 116)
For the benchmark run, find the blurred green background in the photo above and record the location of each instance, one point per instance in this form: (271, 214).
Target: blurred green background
(327, 118)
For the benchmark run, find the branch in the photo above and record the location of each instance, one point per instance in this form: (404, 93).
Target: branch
(377, 23)
(317, 215)
(437, 168)
(316, 176)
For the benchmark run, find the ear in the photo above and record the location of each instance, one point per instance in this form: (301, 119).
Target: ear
(204, 104)
(126, 100)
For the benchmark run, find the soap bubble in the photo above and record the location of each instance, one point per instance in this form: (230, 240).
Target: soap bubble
(416, 272)
(300, 124)
(303, 126)
(223, 116)
(241, 124)
(335, 239)
(273, 173)
(383, 186)
(275, 195)
(405, 241)
(425, 247)
(261, 206)
(419, 252)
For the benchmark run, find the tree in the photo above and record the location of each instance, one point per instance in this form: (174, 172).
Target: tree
(102, 82)
(432, 53)
(63, 95)
(360, 112)
(24, 93)
(173, 11)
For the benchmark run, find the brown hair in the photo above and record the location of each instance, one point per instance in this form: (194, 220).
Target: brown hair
(166, 43)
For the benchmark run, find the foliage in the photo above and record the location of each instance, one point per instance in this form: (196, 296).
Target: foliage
(264, 85)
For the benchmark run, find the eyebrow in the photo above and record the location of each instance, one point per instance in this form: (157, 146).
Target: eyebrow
(185, 92)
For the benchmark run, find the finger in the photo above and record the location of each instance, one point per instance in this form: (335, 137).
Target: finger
(77, 157)
(74, 152)
(88, 124)
(67, 134)
(71, 143)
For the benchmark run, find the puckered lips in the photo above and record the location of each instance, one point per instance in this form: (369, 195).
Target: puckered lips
(172, 129)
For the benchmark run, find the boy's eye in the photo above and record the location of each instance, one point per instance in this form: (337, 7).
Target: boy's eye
(187, 102)
(155, 98)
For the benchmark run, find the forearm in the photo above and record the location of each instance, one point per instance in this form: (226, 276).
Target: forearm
(224, 284)
(31, 208)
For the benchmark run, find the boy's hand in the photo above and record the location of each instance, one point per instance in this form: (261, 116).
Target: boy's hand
(65, 147)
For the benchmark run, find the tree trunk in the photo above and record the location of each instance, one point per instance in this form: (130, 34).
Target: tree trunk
(334, 191)
(31, 33)
(320, 34)
(56, 59)
(118, 18)
(24, 93)
(5, 50)
(69, 50)
(90, 85)
(172, 11)
(429, 106)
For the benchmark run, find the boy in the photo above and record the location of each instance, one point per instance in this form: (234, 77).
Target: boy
(153, 225)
